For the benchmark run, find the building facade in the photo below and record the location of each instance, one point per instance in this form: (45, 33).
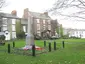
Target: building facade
(80, 33)
(7, 25)
(42, 24)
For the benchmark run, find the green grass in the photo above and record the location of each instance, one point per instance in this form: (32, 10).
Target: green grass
(73, 53)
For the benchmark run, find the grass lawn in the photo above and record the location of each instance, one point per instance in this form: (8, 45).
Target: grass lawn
(73, 53)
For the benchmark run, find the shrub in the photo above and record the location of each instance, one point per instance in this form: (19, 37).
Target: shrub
(19, 30)
(21, 35)
(73, 37)
(65, 36)
(2, 39)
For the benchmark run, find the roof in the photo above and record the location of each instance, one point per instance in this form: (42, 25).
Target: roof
(74, 29)
(6, 15)
(39, 15)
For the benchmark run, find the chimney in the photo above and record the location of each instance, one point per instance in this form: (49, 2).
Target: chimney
(14, 12)
(25, 15)
(46, 13)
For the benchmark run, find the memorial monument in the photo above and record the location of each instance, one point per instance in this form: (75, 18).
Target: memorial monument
(29, 36)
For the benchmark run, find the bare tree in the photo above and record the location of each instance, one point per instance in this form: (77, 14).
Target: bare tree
(61, 5)
(2, 3)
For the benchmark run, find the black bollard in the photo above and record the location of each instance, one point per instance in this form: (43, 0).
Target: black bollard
(13, 44)
(54, 45)
(49, 47)
(44, 43)
(63, 44)
(33, 50)
(8, 48)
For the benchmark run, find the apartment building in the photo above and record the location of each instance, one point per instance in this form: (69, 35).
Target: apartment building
(75, 32)
(42, 24)
(7, 24)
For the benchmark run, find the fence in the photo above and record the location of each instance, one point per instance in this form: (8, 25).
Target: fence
(47, 47)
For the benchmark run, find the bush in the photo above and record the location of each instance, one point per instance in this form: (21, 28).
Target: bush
(21, 35)
(2, 39)
(65, 36)
(73, 37)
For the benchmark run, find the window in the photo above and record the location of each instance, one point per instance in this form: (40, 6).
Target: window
(4, 28)
(38, 32)
(13, 34)
(43, 21)
(24, 28)
(4, 25)
(13, 21)
(76, 32)
(73, 33)
(38, 26)
(79, 32)
(38, 21)
(44, 27)
(82, 32)
(13, 27)
(49, 27)
(4, 20)
(49, 22)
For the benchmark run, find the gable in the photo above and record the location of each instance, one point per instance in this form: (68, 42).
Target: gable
(39, 15)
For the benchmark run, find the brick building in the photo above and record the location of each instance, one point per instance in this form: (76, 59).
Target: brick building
(42, 24)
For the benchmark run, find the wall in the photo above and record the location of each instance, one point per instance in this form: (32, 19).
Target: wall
(75, 32)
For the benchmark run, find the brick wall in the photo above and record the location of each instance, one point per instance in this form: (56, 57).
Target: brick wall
(14, 12)
(25, 15)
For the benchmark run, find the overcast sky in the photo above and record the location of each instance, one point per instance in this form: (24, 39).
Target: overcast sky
(33, 5)
(41, 6)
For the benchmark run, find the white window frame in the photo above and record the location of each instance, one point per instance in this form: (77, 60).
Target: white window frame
(49, 22)
(38, 26)
(38, 20)
(38, 32)
(4, 22)
(13, 34)
(13, 21)
(4, 28)
(44, 22)
(24, 28)
(49, 27)
(13, 28)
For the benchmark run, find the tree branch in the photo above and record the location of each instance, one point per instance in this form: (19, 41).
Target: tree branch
(61, 5)
(82, 2)
(2, 3)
